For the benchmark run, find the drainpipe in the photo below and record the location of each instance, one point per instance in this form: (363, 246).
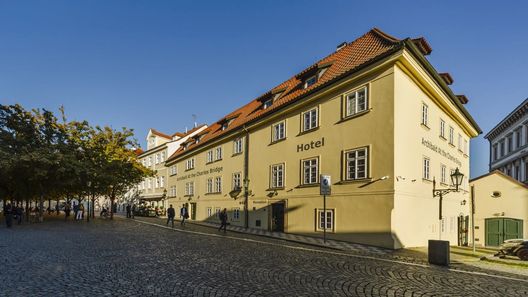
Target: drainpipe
(246, 178)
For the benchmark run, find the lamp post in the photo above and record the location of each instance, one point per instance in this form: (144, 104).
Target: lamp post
(89, 183)
(456, 179)
(246, 196)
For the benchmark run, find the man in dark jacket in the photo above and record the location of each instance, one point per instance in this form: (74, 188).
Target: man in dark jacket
(8, 214)
(128, 214)
(223, 220)
(170, 215)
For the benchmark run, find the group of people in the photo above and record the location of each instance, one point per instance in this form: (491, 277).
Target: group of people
(16, 213)
(184, 214)
(130, 210)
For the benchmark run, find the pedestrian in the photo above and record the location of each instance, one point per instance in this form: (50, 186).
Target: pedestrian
(128, 215)
(184, 214)
(80, 212)
(171, 213)
(20, 214)
(57, 209)
(67, 211)
(75, 210)
(8, 214)
(133, 210)
(223, 220)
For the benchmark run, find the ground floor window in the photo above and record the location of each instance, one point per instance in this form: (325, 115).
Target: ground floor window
(236, 214)
(326, 218)
(209, 212)
(217, 212)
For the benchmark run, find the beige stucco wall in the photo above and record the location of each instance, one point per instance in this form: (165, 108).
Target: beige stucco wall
(415, 217)
(513, 203)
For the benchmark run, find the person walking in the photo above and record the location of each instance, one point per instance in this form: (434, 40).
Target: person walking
(184, 214)
(133, 210)
(80, 212)
(8, 214)
(223, 220)
(75, 210)
(171, 213)
(20, 213)
(67, 211)
(128, 215)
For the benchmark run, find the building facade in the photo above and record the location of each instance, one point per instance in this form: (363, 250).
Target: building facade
(509, 144)
(501, 208)
(374, 115)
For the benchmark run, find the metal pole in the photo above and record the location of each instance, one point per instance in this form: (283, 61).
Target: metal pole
(324, 216)
(473, 216)
(440, 217)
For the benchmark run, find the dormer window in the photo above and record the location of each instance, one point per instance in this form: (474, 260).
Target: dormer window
(310, 81)
(267, 103)
(276, 96)
(224, 126)
(151, 140)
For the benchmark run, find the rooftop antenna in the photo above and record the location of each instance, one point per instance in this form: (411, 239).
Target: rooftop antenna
(194, 120)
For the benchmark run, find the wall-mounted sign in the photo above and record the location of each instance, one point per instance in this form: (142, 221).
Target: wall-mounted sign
(440, 151)
(308, 146)
(325, 185)
(200, 173)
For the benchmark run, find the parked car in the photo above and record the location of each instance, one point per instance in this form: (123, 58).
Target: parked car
(514, 247)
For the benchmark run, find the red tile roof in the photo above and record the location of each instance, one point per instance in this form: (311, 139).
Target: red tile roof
(361, 52)
(156, 132)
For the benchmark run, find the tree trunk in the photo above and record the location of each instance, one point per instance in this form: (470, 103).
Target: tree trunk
(112, 198)
(41, 206)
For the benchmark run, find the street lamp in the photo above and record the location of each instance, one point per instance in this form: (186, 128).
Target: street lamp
(456, 179)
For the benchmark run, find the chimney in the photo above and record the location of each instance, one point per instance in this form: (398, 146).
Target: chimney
(341, 45)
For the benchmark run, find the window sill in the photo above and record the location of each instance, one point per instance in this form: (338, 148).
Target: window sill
(353, 116)
(275, 189)
(425, 126)
(451, 145)
(277, 141)
(308, 185)
(327, 230)
(236, 154)
(442, 137)
(213, 193)
(354, 181)
(308, 131)
(189, 169)
(426, 180)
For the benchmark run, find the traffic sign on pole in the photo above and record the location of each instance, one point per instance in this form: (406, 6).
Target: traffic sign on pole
(325, 185)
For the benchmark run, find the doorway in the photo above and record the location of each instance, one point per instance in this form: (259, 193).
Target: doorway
(500, 229)
(277, 216)
(463, 228)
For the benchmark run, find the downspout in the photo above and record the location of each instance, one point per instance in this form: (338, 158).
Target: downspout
(246, 178)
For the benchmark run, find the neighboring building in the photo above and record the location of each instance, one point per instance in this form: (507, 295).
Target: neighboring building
(509, 144)
(375, 115)
(501, 208)
(154, 190)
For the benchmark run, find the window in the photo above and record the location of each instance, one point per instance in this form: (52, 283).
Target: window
(173, 170)
(517, 172)
(310, 119)
(152, 140)
(451, 135)
(518, 135)
(425, 110)
(236, 214)
(236, 180)
(267, 103)
(218, 153)
(189, 188)
(356, 102)
(502, 151)
(459, 142)
(495, 151)
(443, 174)
(143, 184)
(162, 181)
(209, 185)
(189, 164)
(465, 146)
(149, 180)
(157, 158)
(150, 161)
(237, 146)
(442, 128)
(310, 171)
(224, 126)
(218, 184)
(325, 219)
(426, 162)
(277, 176)
(172, 191)
(278, 131)
(217, 212)
(157, 182)
(210, 156)
(209, 212)
(509, 141)
(162, 157)
(356, 164)
(451, 171)
(310, 81)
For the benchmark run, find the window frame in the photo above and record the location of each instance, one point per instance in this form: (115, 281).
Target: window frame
(218, 153)
(238, 146)
(347, 110)
(234, 184)
(274, 136)
(209, 156)
(218, 184)
(451, 135)
(366, 165)
(307, 83)
(303, 122)
(319, 220)
(426, 168)
(425, 115)
(316, 173)
(274, 182)
(442, 128)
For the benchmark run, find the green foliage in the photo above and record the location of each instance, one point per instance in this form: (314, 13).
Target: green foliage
(41, 156)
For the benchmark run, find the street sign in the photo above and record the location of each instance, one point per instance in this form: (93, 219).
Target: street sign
(325, 185)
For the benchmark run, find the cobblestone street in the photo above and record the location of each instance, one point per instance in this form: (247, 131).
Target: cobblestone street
(128, 258)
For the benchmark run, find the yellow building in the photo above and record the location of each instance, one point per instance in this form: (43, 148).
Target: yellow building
(374, 115)
(501, 208)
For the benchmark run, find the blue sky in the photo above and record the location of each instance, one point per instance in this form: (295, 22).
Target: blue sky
(143, 64)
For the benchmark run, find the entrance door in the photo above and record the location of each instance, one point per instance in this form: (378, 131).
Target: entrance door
(500, 229)
(192, 211)
(463, 227)
(277, 217)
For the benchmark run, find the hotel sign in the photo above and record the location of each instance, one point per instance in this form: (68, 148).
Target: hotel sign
(440, 151)
(308, 146)
(200, 173)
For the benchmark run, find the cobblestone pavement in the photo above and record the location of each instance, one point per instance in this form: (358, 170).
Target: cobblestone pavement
(127, 258)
